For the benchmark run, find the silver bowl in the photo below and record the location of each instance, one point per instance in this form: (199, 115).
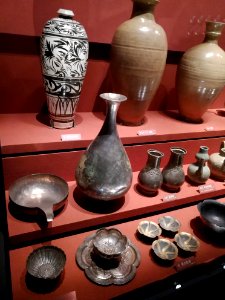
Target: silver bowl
(149, 229)
(165, 249)
(46, 262)
(109, 243)
(169, 223)
(45, 192)
(187, 241)
(212, 213)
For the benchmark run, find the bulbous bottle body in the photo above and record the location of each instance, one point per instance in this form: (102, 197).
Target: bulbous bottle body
(104, 171)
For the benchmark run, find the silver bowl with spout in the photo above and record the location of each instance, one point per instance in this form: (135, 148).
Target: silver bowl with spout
(35, 192)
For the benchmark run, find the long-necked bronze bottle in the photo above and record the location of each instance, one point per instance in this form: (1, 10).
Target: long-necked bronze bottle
(104, 171)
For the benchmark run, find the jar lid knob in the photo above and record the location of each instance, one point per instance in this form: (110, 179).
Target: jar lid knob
(65, 13)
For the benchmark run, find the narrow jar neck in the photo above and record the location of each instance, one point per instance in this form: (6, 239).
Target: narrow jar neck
(144, 7)
(154, 159)
(109, 125)
(213, 32)
(177, 156)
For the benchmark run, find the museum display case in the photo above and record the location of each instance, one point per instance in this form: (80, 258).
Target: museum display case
(29, 145)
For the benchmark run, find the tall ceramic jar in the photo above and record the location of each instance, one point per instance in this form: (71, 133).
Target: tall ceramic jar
(138, 58)
(150, 177)
(104, 171)
(64, 54)
(173, 172)
(201, 75)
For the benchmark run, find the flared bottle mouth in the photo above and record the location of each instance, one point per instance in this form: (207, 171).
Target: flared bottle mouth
(178, 150)
(155, 153)
(113, 97)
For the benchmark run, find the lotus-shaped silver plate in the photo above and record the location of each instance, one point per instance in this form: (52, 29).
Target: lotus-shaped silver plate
(44, 192)
(46, 262)
(149, 229)
(187, 241)
(123, 273)
(169, 223)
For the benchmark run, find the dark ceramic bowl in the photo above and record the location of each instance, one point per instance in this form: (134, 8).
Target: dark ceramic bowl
(109, 243)
(169, 223)
(46, 262)
(165, 249)
(149, 229)
(187, 241)
(212, 214)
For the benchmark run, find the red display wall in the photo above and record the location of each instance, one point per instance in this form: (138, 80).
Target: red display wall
(21, 25)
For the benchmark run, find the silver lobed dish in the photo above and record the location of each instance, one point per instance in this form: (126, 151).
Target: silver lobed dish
(149, 229)
(35, 192)
(187, 241)
(169, 223)
(121, 274)
(46, 262)
(165, 249)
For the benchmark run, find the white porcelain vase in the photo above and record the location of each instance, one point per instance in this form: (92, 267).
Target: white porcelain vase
(64, 55)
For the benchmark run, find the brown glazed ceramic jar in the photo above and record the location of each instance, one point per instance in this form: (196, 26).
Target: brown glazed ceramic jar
(201, 75)
(150, 177)
(216, 163)
(138, 58)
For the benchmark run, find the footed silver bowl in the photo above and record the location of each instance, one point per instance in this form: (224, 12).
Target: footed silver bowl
(109, 243)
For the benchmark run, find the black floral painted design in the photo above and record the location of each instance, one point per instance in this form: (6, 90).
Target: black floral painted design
(65, 27)
(64, 57)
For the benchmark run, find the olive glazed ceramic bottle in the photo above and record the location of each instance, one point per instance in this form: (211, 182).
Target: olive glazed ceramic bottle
(64, 54)
(199, 172)
(216, 163)
(138, 58)
(150, 177)
(201, 75)
(104, 171)
(173, 173)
